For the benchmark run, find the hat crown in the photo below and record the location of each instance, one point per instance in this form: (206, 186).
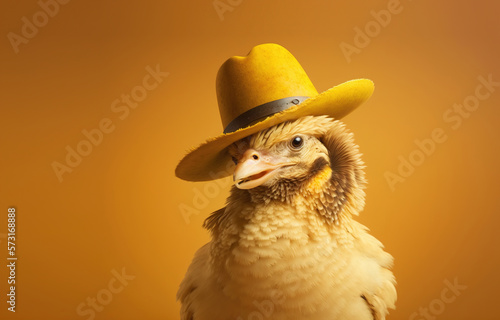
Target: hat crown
(269, 72)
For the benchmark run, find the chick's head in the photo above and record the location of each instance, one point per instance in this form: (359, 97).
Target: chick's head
(288, 153)
(313, 160)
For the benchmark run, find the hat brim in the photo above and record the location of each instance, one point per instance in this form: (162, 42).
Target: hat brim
(211, 161)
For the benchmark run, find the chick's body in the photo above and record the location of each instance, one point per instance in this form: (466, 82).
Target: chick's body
(289, 249)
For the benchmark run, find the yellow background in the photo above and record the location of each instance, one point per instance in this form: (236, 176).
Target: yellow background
(120, 208)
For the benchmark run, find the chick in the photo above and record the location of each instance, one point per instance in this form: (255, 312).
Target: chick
(286, 245)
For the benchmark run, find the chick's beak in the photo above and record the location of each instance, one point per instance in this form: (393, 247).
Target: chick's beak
(256, 167)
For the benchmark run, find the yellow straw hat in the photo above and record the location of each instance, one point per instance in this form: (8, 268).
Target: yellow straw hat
(258, 91)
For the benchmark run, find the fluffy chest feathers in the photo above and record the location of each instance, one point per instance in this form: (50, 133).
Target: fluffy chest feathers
(288, 255)
(290, 261)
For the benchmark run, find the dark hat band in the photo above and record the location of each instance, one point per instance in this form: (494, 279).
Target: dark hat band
(263, 111)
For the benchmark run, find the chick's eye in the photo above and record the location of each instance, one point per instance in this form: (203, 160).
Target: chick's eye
(297, 142)
(234, 160)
